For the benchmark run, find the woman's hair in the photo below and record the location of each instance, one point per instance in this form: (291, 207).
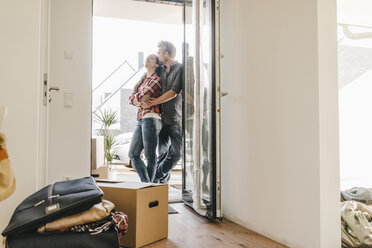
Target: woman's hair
(158, 69)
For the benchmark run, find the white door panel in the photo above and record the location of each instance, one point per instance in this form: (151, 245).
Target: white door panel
(69, 112)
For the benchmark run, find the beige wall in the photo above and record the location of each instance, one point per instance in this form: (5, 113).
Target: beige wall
(280, 160)
(279, 122)
(19, 81)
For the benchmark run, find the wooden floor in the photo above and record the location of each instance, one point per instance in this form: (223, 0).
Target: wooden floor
(187, 229)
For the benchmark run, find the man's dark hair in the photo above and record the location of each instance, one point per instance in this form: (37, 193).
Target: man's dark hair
(168, 47)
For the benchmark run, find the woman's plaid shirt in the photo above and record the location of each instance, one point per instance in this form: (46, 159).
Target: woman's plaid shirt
(149, 87)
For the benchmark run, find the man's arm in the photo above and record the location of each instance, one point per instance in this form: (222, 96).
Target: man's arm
(167, 96)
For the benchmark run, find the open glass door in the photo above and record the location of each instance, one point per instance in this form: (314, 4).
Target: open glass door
(200, 180)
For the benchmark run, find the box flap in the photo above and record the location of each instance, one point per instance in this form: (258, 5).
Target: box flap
(100, 180)
(128, 185)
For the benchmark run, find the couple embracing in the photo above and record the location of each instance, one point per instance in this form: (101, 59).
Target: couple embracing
(159, 120)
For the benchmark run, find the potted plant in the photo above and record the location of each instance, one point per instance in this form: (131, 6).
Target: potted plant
(106, 118)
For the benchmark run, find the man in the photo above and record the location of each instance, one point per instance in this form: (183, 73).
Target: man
(170, 136)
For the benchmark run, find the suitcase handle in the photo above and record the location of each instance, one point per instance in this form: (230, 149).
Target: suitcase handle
(153, 204)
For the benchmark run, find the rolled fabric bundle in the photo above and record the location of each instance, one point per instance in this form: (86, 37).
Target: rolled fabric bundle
(117, 220)
(356, 226)
(7, 179)
(96, 213)
(359, 194)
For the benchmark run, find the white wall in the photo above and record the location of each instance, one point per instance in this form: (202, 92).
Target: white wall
(19, 81)
(139, 11)
(280, 173)
(355, 12)
(20, 65)
(355, 99)
(356, 133)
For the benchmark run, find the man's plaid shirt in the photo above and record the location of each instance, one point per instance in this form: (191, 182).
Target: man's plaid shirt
(149, 87)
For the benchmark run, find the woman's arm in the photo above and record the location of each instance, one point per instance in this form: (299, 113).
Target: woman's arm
(135, 88)
(153, 89)
(133, 99)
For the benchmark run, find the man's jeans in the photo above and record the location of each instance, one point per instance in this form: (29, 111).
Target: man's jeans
(146, 137)
(170, 151)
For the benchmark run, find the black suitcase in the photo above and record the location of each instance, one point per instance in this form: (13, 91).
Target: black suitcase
(106, 239)
(53, 202)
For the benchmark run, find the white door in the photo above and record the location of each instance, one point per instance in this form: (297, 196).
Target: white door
(68, 100)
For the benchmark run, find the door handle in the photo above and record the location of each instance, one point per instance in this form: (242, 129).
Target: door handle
(53, 88)
(223, 93)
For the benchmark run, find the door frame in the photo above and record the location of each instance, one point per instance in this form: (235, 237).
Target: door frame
(43, 94)
(42, 175)
(216, 113)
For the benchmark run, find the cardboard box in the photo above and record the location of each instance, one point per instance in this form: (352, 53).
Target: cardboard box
(103, 172)
(145, 204)
(97, 153)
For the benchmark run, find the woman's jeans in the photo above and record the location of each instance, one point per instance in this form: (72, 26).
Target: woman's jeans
(145, 136)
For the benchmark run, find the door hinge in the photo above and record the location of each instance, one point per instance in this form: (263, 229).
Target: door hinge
(45, 89)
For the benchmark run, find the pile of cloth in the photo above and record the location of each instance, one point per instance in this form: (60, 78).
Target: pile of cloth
(66, 214)
(101, 217)
(356, 217)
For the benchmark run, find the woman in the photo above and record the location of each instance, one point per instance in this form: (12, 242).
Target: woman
(148, 126)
